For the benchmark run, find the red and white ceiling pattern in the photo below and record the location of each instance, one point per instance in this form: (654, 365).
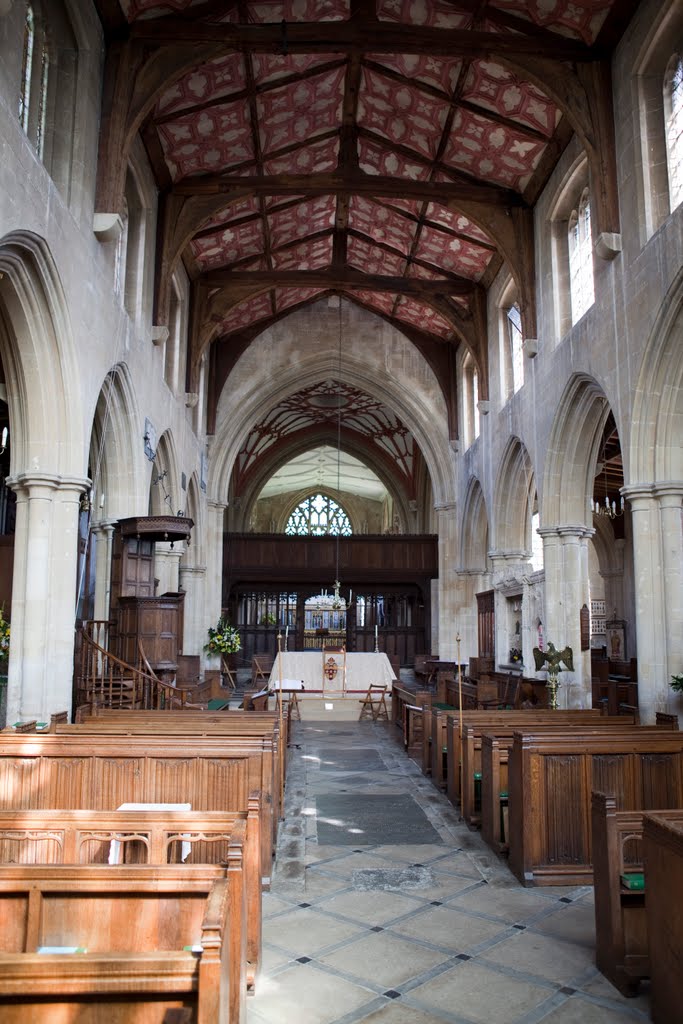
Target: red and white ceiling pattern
(418, 118)
(361, 414)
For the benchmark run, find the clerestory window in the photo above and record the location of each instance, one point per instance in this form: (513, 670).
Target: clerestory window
(580, 243)
(673, 113)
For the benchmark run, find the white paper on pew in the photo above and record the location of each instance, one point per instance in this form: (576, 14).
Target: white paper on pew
(115, 847)
(61, 949)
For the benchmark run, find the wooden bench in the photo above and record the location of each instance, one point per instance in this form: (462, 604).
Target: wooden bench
(143, 837)
(550, 778)
(100, 772)
(154, 938)
(495, 748)
(663, 863)
(507, 719)
(621, 930)
(403, 700)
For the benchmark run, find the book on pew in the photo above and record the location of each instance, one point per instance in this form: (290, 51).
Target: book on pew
(61, 949)
(634, 880)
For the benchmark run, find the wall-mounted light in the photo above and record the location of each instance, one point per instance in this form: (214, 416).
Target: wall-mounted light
(3, 440)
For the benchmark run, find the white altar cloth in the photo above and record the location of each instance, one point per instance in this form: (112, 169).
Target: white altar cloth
(362, 669)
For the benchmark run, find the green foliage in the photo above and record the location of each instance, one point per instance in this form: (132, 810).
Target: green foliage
(677, 683)
(4, 635)
(223, 639)
(515, 655)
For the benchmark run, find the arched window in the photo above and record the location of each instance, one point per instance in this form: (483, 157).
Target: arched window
(673, 112)
(580, 242)
(35, 72)
(26, 67)
(318, 516)
(470, 403)
(515, 342)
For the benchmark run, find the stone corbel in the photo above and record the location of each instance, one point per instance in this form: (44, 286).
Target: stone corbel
(608, 244)
(159, 335)
(530, 347)
(191, 399)
(107, 227)
(484, 407)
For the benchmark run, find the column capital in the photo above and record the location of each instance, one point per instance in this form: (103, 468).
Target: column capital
(566, 530)
(192, 570)
(31, 484)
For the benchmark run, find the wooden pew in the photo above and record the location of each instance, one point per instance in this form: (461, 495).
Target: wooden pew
(495, 749)
(404, 700)
(100, 772)
(663, 863)
(155, 938)
(508, 719)
(621, 927)
(550, 778)
(144, 837)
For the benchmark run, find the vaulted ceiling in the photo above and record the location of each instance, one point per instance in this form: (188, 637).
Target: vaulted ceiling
(388, 151)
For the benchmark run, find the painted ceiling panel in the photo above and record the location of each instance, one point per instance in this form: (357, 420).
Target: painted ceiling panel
(236, 210)
(404, 116)
(456, 222)
(270, 67)
(433, 13)
(215, 79)
(314, 255)
(286, 297)
(246, 313)
(578, 18)
(229, 246)
(453, 254)
(383, 302)
(435, 71)
(373, 260)
(297, 113)
(423, 317)
(376, 159)
(315, 159)
(299, 10)
(215, 139)
(381, 224)
(299, 221)
(491, 86)
(490, 151)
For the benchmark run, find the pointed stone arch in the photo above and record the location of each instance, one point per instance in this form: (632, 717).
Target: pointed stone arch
(164, 490)
(194, 509)
(572, 453)
(515, 494)
(39, 357)
(116, 473)
(474, 535)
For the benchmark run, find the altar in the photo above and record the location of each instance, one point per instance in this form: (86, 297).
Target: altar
(330, 671)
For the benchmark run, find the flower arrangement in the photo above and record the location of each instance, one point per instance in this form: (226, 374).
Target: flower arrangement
(515, 655)
(677, 683)
(268, 619)
(223, 639)
(4, 637)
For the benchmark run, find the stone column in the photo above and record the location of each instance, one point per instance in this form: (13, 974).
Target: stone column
(104, 537)
(213, 590)
(43, 595)
(448, 624)
(565, 555)
(657, 553)
(192, 580)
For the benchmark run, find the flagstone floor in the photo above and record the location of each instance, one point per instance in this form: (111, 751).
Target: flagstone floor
(386, 909)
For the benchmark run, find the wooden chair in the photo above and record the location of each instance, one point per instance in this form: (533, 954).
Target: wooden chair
(229, 676)
(374, 704)
(260, 670)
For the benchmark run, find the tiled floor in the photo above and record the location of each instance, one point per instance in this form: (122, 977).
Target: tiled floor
(376, 929)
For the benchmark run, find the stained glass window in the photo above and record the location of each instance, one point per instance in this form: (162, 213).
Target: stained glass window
(673, 107)
(318, 516)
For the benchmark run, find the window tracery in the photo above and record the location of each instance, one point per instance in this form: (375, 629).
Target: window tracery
(318, 516)
(513, 320)
(673, 112)
(580, 243)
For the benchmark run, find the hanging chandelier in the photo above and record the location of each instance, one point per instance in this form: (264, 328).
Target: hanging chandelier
(609, 509)
(337, 600)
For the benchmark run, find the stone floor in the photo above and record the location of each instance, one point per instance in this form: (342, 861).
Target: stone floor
(386, 909)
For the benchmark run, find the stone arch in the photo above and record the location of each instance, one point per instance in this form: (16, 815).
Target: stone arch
(164, 489)
(279, 366)
(655, 449)
(41, 368)
(515, 494)
(474, 535)
(116, 476)
(572, 453)
(194, 552)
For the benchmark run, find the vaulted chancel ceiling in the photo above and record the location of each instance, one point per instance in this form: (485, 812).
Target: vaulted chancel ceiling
(389, 152)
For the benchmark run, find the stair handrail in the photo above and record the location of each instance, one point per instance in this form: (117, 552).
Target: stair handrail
(103, 673)
(167, 696)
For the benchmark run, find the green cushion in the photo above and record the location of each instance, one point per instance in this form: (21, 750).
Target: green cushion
(218, 704)
(444, 707)
(633, 880)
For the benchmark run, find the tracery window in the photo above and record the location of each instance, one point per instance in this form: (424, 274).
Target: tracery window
(673, 112)
(27, 65)
(513, 319)
(35, 70)
(318, 516)
(580, 241)
(470, 403)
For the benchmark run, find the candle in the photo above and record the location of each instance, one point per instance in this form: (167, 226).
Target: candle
(375, 632)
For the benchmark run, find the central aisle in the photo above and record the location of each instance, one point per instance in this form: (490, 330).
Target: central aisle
(386, 909)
